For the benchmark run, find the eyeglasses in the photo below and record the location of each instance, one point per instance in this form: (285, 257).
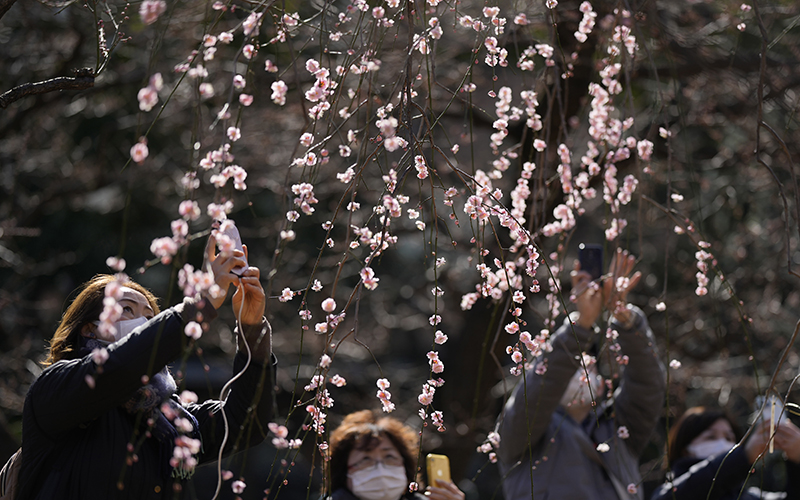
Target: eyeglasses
(368, 463)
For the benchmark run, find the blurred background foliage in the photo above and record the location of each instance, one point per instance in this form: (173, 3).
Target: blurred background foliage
(70, 198)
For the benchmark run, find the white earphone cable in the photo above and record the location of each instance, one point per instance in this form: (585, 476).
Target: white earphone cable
(223, 395)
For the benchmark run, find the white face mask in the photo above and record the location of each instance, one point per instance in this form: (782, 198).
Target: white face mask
(381, 482)
(708, 449)
(578, 389)
(126, 326)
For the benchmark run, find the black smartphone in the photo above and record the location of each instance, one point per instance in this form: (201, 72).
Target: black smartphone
(591, 259)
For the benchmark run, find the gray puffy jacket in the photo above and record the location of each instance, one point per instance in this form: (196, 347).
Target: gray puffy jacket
(566, 463)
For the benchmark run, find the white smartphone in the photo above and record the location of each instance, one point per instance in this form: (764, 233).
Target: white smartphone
(232, 232)
(773, 408)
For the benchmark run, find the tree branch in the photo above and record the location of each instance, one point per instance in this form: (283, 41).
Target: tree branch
(83, 79)
(5, 5)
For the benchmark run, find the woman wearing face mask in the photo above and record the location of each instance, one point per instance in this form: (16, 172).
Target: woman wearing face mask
(374, 459)
(103, 420)
(702, 457)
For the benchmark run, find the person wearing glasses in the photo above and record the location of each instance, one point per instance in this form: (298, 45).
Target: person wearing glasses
(375, 458)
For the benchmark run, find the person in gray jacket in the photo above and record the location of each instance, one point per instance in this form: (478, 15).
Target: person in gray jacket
(557, 439)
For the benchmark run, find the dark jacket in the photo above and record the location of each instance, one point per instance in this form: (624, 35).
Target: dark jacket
(694, 477)
(345, 494)
(566, 461)
(80, 443)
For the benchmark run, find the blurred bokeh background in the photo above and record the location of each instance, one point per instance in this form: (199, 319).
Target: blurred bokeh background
(70, 197)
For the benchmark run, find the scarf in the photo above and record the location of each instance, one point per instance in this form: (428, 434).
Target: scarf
(148, 400)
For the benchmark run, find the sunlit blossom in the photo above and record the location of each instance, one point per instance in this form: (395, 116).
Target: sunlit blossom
(286, 295)
(328, 305)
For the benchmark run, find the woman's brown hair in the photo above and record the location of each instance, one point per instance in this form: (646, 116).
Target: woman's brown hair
(691, 424)
(363, 430)
(86, 308)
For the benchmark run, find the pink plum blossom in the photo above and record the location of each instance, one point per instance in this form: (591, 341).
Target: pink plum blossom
(164, 248)
(99, 355)
(251, 23)
(193, 330)
(139, 151)
(188, 397)
(234, 134)
(286, 295)
(238, 487)
(150, 10)
(279, 90)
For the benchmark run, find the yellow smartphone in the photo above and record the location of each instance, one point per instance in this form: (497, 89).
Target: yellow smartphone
(438, 468)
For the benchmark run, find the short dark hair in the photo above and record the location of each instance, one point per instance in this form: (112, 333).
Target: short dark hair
(363, 430)
(691, 424)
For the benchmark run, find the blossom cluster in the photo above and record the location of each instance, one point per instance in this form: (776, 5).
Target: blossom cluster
(490, 446)
(343, 113)
(703, 257)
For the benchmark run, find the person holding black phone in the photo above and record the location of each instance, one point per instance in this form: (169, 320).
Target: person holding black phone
(558, 438)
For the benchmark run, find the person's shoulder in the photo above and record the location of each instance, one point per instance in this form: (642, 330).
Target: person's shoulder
(340, 494)
(682, 465)
(57, 369)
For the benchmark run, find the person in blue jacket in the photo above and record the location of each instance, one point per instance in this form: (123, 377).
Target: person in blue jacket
(104, 421)
(706, 462)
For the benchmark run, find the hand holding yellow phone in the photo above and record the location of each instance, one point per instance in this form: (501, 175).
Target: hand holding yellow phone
(438, 468)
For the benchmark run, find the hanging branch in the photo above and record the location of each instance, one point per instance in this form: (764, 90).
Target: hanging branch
(5, 5)
(83, 79)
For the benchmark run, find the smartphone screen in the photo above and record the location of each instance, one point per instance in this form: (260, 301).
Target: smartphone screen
(438, 468)
(591, 259)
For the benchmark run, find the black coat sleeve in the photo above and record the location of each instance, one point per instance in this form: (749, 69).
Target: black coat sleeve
(65, 396)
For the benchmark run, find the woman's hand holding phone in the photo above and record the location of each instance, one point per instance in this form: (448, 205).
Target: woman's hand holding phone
(445, 490)
(222, 265)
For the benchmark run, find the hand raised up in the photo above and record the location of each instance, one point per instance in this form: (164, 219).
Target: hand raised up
(618, 283)
(220, 265)
(249, 298)
(591, 297)
(587, 296)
